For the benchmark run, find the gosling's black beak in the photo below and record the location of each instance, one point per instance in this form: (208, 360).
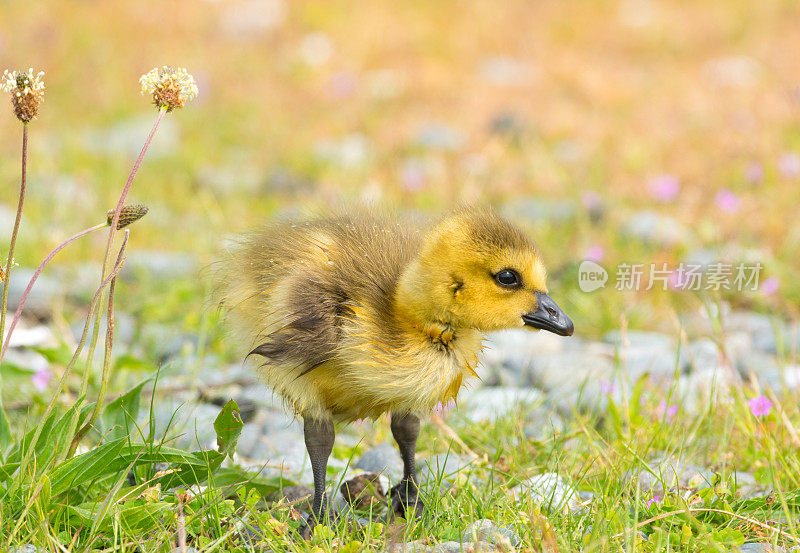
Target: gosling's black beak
(549, 316)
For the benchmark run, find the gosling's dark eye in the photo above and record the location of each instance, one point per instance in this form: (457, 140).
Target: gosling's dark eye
(507, 278)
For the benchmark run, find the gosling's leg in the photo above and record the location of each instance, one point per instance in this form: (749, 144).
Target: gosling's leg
(405, 495)
(319, 436)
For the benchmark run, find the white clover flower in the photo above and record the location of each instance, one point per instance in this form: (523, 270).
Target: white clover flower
(27, 92)
(170, 87)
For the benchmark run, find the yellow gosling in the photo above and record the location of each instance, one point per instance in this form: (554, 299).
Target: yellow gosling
(355, 315)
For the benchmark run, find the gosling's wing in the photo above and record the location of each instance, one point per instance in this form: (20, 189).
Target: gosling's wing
(311, 335)
(293, 288)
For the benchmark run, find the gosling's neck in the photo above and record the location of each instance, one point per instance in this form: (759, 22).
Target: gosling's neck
(425, 306)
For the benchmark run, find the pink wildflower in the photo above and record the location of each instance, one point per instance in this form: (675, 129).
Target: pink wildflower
(595, 253)
(664, 188)
(770, 285)
(41, 379)
(760, 406)
(727, 201)
(667, 411)
(654, 499)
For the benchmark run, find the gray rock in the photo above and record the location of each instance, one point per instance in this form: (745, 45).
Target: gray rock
(661, 365)
(274, 438)
(668, 473)
(656, 229)
(485, 530)
(192, 426)
(748, 321)
(421, 546)
(548, 490)
(759, 547)
(258, 393)
(701, 354)
(296, 495)
(701, 388)
(447, 547)
(647, 352)
(383, 458)
(27, 548)
(490, 404)
(541, 424)
(445, 466)
(163, 342)
(42, 295)
(27, 358)
(738, 344)
(581, 375)
(507, 355)
(285, 453)
(758, 363)
(746, 484)
(124, 328)
(786, 340)
(81, 280)
(639, 339)
(33, 336)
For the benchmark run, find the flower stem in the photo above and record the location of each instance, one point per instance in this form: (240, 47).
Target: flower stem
(69, 367)
(95, 312)
(38, 272)
(113, 230)
(10, 260)
(106, 359)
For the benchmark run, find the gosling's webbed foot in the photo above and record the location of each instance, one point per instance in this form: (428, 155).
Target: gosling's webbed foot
(406, 502)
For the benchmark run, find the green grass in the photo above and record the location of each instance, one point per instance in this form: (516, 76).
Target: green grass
(88, 504)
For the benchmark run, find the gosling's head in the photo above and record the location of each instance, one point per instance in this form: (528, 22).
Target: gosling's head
(477, 270)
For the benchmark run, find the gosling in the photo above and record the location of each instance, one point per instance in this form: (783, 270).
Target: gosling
(355, 316)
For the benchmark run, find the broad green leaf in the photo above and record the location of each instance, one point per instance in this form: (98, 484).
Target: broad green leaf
(52, 435)
(228, 426)
(61, 354)
(11, 369)
(266, 487)
(85, 468)
(135, 516)
(127, 362)
(116, 456)
(119, 416)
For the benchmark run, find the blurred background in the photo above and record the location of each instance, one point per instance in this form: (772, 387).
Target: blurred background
(622, 131)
